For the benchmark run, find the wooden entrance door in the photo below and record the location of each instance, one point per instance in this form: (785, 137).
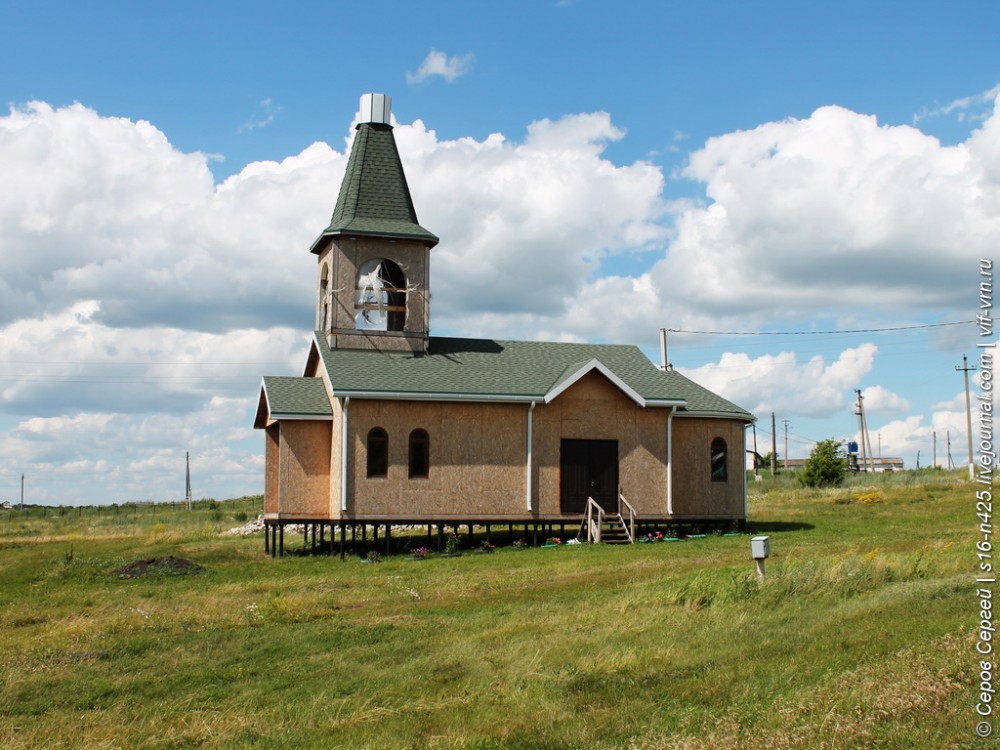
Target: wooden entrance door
(588, 468)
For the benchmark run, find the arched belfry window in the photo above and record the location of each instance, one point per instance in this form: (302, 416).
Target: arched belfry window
(719, 473)
(378, 453)
(324, 298)
(420, 454)
(380, 298)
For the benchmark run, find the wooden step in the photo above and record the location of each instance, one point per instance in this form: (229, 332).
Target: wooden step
(615, 533)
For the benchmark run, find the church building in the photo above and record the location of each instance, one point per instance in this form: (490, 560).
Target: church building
(389, 425)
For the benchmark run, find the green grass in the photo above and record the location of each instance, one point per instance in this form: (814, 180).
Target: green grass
(860, 635)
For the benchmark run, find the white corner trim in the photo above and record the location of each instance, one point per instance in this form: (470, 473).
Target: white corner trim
(670, 461)
(527, 494)
(343, 458)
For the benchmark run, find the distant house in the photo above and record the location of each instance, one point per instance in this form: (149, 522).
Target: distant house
(389, 425)
(878, 464)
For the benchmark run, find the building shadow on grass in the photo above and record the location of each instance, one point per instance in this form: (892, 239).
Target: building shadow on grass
(760, 527)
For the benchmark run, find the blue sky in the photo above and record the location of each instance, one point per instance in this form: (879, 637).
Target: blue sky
(595, 170)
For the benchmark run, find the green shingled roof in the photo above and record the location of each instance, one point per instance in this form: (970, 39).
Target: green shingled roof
(374, 197)
(293, 398)
(509, 370)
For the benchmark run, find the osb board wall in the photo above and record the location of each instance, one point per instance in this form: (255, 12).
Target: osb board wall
(478, 452)
(304, 466)
(644, 469)
(694, 492)
(595, 409)
(271, 479)
(477, 459)
(347, 254)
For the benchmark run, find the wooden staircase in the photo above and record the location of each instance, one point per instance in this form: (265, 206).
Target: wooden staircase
(605, 527)
(615, 530)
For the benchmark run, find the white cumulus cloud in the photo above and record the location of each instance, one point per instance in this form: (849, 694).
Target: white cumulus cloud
(834, 212)
(780, 383)
(879, 399)
(440, 64)
(534, 219)
(913, 435)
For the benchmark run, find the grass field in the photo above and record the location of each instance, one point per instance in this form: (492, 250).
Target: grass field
(859, 637)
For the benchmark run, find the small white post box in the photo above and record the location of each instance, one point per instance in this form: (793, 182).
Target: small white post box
(760, 550)
(760, 547)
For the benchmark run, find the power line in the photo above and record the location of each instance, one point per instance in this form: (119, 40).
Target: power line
(116, 363)
(136, 379)
(821, 333)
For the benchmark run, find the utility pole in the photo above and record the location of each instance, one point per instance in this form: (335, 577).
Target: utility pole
(861, 431)
(951, 463)
(866, 443)
(965, 370)
(187, 496)
(22, 490)
(934, 461)
(785, 464)
(774, 447)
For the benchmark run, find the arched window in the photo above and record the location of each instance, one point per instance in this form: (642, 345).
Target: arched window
(380, 297)
(378, 453)
(420, 454)
(719, 473)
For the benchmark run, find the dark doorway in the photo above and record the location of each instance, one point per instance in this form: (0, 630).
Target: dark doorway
(589, 468)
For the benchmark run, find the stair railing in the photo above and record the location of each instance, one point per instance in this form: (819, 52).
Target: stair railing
(630, 527)
(593, 521)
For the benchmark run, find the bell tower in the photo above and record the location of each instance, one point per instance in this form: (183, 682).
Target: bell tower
(373, 270)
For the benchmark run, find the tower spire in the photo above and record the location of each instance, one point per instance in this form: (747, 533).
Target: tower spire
(374, 197)
(373, 260)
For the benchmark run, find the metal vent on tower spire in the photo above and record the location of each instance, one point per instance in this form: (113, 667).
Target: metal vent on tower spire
(375, 108)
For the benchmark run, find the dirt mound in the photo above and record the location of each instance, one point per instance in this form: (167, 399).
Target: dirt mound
(170, 565)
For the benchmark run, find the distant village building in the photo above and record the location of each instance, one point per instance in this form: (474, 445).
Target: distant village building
(877, 464)
(389, 425)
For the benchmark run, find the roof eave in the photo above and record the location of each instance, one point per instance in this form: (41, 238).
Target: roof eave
(303, 416)
(482, 398)
(263, 408)
(748, 418)
(320, 243)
